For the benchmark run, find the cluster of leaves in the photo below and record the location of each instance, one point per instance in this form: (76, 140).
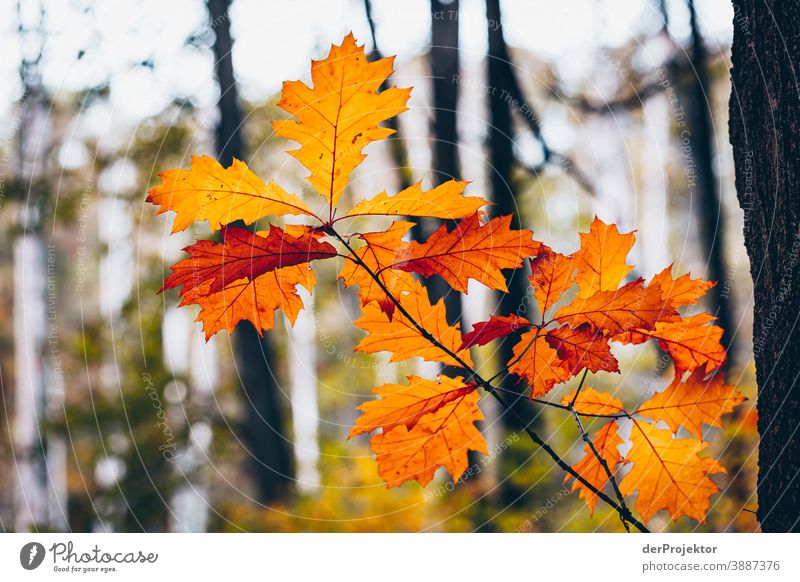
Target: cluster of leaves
(584, 302)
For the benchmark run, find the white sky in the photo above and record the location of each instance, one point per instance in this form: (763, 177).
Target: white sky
(276, 38)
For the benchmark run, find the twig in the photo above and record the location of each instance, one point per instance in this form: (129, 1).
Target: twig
(476, 377)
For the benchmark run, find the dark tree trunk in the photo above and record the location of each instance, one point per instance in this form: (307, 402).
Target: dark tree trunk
(503, 90)
(445, 71)
(265, 420)
(765, 134)
(396, 146)
(700, 134)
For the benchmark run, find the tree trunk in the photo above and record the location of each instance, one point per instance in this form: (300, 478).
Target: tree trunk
(445, 71)
(501, 84)
(700, 135)
(265, 417)
(765, 134)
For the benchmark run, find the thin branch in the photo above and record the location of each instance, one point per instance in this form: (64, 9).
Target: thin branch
(476, 377)
(604, 464)
(578, 391)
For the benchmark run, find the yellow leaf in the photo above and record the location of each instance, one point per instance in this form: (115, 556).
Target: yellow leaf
(601, 258)
(445, 201)
(339, 115)
(207, 191)
(669, 474)
(401, 337)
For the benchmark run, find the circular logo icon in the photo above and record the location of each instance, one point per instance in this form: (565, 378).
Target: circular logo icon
(31, 555)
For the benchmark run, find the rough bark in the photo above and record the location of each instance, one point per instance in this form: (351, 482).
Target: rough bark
(265, 419)
(765, 134)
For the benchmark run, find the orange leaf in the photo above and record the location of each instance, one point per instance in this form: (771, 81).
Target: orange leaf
(690, 342)
(401, 337)
(243, 254)
(681, 291)
(669, 474)
(496, 327)
(207, 191)
(254, 301)
(581, 347)
(552, 275)
(629, 307)
(590, 401)
(601, 258)
(445, 201)
(379, 254)
(438, 439)
(692, 403)
(339, 115)
(538, 363)
(471, 251)
(606, 442)
(406, 404)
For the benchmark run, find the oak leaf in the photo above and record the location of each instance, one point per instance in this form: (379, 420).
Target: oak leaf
(592, 402)
(406, 404)
(551, 277)
(582, 347)
(380, 252)
(207, 191)
(339, 115)
(630, 307)
(438, 439)
(690, 342)
(495, 327)
(693, 402)
(445, 201)
(403, 339)
(601, 258)
(470, 251)
(538, 363)
(681, 291)
(251, 300)
(244, 254)
(669, 474)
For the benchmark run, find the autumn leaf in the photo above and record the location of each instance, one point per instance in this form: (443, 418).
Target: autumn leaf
(445, 201)
(406, 404)
(551, 276)
(630, 307)
(470, 251)
(582, 347)
(339, 115)
(692, 403)
(601, 258)
(207, 191)
(379, 253)
(538, 363)
(669, 474)
(403, 339)
(592, 402)
(438, 439)
(589, 467)
(496, 327)
(254, 301)
(243, 254)
(690, 342)
(681, 291)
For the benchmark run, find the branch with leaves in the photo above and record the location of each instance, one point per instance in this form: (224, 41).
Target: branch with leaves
(425, 424)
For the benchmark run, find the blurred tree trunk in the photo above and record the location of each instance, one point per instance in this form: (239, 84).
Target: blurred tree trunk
(265, 415)
(700, 134)
(444, 64)
(765, 134)
(501, 83)
(397, 147)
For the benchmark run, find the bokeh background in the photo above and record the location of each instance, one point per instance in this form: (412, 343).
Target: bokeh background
(117, 415)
